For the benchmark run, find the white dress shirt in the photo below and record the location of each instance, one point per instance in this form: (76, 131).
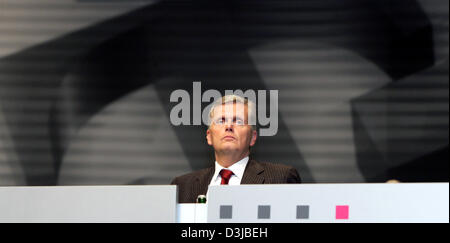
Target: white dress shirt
(237, 168)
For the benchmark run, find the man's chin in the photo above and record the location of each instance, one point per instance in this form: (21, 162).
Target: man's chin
(229, 148)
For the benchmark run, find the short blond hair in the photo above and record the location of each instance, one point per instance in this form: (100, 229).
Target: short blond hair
(234, 99)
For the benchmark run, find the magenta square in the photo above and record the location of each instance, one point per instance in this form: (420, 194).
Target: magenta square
(342, 212)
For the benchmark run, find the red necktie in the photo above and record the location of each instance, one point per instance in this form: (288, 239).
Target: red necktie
(226, 175)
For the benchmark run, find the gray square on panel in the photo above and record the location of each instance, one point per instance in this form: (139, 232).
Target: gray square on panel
(226, 211)
(264, 212)
(303, 212)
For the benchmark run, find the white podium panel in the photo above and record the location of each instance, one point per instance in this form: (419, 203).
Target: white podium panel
(88, 204)
(192, 213)
(308, 203)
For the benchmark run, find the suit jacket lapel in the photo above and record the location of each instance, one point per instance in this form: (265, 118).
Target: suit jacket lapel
(253, 173)
(201, 187)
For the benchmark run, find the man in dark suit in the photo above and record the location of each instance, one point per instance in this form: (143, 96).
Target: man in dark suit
(231, 135)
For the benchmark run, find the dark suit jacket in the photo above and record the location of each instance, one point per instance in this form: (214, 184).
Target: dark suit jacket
(196, 183)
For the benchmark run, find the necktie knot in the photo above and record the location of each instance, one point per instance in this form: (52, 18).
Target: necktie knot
(226, 175)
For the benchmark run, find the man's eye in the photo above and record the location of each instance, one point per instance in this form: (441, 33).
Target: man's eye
(220, 121)
(239, 122)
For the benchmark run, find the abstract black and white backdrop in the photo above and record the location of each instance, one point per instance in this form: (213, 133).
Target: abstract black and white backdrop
(85, 86)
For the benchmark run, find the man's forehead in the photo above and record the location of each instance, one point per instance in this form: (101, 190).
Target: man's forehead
(230, 109)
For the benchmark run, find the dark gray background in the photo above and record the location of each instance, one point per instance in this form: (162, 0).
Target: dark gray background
(85, 86)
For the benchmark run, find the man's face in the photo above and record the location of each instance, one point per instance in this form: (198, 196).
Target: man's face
(229, 131)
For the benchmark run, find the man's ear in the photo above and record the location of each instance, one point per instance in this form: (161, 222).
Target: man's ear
(208, 137)
(254, 137)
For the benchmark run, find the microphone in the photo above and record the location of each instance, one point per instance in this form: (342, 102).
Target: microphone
(201, 199)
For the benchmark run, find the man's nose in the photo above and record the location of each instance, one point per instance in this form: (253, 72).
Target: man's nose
(229, 127)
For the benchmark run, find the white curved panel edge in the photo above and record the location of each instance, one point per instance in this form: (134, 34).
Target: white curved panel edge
(88, 204)
(304, 203)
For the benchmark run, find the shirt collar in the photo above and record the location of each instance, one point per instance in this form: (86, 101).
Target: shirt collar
(237, 168)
